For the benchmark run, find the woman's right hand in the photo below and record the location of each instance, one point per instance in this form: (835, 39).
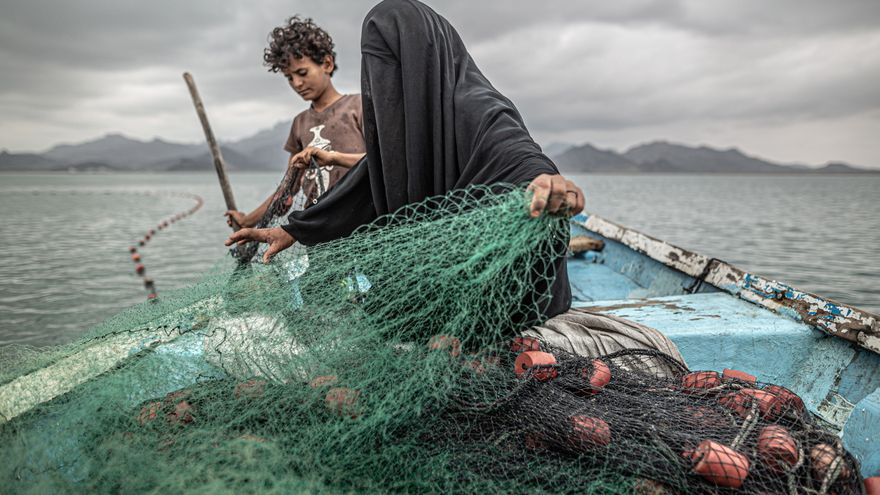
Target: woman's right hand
(277, 238)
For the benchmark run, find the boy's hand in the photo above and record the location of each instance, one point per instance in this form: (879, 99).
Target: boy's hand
(277, 238)
(239, 217)
(304, 157)
(555, 194)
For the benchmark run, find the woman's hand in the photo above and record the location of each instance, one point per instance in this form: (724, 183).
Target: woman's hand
(555, 194)
(277, 238)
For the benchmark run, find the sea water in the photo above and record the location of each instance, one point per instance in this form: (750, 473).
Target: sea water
(65, 265)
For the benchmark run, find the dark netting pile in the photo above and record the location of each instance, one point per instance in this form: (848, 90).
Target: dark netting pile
(390, 361)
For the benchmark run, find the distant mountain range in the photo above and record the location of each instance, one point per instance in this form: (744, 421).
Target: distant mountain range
(114, 152)
(664, 157)
(263, 152)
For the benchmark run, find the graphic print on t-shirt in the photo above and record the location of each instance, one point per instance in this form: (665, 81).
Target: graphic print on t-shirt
(323, 143)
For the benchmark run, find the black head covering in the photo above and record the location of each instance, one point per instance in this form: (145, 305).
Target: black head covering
(432, 123)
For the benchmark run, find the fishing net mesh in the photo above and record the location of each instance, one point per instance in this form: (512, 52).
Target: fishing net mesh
(392, 361)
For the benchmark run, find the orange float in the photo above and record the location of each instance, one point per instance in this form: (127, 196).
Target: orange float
(535, 441)
(700, 380)
(523, 344)
(598, 376)
(149, 412)
(789, 400)
(589, 430)
(543, 362)
(769, 405)
(719, 464)
(730, 374)
(182, 413)
(822, 459)
(777, 448)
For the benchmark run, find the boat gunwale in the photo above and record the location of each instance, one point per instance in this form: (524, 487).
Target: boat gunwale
(831, 317)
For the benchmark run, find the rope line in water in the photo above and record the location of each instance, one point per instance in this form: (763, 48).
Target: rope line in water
(139, 268)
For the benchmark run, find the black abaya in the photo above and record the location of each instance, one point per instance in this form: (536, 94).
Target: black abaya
(432, 123)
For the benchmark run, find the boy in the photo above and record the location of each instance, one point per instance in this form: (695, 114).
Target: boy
(433, 123)
(330, 130)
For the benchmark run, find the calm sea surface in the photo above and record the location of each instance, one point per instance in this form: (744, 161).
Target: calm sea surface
(64, 261)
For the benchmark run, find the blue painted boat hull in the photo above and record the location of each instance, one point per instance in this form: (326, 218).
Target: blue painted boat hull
(722, 317)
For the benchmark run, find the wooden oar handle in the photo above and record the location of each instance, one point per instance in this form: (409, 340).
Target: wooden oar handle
(212, 144)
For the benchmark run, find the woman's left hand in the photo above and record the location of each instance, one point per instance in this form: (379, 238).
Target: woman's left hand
(555, 194)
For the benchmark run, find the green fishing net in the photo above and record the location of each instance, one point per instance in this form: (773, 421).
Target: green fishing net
(391, 361)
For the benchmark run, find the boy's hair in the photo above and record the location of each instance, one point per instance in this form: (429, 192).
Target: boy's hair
(299, 38)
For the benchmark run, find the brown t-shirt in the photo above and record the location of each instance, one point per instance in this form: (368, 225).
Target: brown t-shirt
(338, 128)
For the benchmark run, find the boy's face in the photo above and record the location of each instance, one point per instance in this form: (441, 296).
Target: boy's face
(307, 78)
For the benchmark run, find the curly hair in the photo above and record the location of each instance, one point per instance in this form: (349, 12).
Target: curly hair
(299, 38)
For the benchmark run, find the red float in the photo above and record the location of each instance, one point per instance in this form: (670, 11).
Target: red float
(822, 458)
(788, 399)
(535, 441)
(740, 402)
(701, 380)
(149, 412)
(523, 344)
(777, 448)
(543, 362)
(598, 376)
(182, 413)
(592, 431)
(719, 464)
(139, 269)
(730, 374)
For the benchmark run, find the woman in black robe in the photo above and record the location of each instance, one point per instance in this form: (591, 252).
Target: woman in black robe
(432, 123)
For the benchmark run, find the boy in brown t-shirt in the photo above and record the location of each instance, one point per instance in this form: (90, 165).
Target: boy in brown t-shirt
(330, 131)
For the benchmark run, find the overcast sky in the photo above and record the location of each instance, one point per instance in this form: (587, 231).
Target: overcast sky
(790, 81)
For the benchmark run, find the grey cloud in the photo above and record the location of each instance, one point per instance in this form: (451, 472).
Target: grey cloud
(73, 70)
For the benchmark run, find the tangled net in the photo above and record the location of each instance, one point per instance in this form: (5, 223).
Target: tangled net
(392, 363)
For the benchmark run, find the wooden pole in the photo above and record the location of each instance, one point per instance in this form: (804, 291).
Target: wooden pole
(212, 143)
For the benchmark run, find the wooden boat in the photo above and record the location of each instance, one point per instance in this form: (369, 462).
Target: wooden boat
(723, 317)
(718, 315)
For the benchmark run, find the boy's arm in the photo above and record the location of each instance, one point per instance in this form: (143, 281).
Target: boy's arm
(252, 218)
(345, 160)
(324, 158)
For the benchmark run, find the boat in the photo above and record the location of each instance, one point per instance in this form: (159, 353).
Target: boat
(719, 316)
(723, 317)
